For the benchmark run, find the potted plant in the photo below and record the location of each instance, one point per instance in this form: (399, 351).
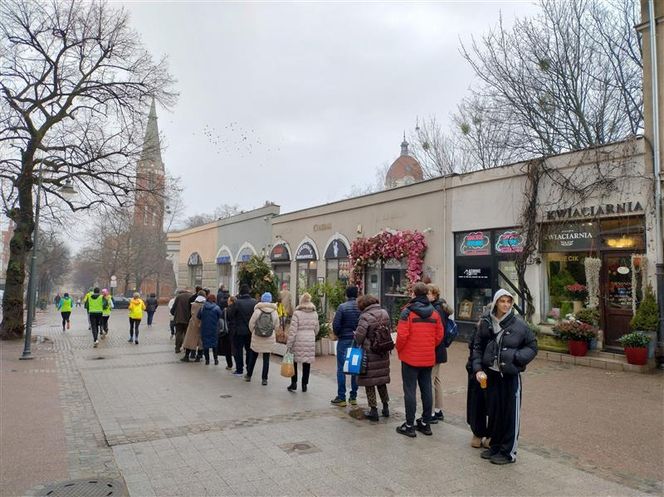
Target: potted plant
(636, 347)
(578, 293)
(590, 316)
(553, 315)
(646, 318)
(577, 335)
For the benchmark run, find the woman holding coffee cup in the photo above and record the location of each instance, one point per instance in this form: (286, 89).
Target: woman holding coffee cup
(501, 348)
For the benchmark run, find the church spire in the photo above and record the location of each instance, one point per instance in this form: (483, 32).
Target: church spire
(151, 146)
(404, 145)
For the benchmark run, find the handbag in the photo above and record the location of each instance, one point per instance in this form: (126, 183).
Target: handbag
(287, 368)
(354, 361)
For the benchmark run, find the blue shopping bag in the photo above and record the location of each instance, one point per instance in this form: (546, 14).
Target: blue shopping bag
(353, 361)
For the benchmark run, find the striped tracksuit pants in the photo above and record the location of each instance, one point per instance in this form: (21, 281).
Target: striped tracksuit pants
(504, 406)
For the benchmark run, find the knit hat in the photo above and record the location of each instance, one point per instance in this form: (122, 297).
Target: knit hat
(266, 297)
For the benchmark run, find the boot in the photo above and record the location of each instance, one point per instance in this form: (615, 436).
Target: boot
(292, 387)
(304, 387)
(371, 414)
(386, 411)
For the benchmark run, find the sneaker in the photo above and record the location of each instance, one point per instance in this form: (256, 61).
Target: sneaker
(486, 443)
(292, 387)
(68, 325)
(304, 388)
(501, 459)
(229, 368)
(185, 359)
(136, 342)
(409, 431)
(438, 415)
(353, 401)
(264, 382)
(488, 453)
(371, 414)
(95, 344)
(131, 339)
(338, 401)
(238, 375)
(102, 336)
(216, 362)
(422, 427)
(247, 377)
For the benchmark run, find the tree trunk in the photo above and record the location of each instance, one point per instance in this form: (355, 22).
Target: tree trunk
(12, 326)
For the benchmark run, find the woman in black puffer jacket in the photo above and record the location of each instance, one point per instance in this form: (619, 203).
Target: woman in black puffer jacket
(502, 347)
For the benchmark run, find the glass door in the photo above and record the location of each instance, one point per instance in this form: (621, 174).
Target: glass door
(618, 295)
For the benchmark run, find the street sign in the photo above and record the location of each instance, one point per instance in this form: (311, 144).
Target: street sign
(114, 283)
(113, 277)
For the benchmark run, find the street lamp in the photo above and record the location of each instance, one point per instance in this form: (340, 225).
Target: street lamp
(66, 189)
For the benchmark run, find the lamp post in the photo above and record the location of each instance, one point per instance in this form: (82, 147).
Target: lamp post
(66, 189)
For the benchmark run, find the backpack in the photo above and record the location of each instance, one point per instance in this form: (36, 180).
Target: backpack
(451, 331)
(264, 327)
(381, 339)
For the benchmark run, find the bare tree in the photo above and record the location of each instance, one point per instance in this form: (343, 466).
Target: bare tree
(53, 262)
(75, 85)
(567, 79)
(436, 150)
(221, 212)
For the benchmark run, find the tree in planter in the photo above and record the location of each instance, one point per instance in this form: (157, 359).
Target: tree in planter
(75, 86)
(647, 314)
(259, 276)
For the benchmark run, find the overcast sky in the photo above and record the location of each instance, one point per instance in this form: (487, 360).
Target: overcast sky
(297, 102)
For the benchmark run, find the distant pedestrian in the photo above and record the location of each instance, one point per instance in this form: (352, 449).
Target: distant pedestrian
(419, 331)
(222, 297)
(502, 348)
(444, 311)
(151, 307)
(181, 312)
(106, 313)
(64, 306)
(302, 340)
(344, 325)
(95, 307)
(56, 300)
(78, 302)
(171, 318)
(192, 339)
(286, 305)
(373, 319)
(136, 308)
(263, 325)
(226, 334)
(85, 304)
(209, 316)
(240, 313)
(192, 297)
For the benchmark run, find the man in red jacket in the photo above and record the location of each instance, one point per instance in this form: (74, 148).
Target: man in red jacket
(419, 331)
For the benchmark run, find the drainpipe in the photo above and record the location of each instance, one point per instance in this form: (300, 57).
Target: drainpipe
(659, 265)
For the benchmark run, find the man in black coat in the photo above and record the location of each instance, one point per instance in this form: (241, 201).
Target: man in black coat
(222, 297)
(181, 312)
(240, 313)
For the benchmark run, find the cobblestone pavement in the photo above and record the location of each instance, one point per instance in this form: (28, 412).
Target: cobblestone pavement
(136, 413)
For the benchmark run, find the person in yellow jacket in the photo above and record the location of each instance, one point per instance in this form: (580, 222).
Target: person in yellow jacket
(136, 308)
(64, 306)
(85, 304)
(106, 313)
(95, 306)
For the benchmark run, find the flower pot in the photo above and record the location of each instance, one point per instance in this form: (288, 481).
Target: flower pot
(577, 305)
(637, 355)
(578, 348)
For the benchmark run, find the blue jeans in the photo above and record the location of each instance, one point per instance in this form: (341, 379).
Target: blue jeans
(342, 346)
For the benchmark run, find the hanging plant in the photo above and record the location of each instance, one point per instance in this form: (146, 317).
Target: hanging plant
(592, 266)
(385, 245)
(639, 266)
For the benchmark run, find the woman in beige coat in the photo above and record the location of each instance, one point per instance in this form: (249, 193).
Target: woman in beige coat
(260, 343)
(192, 339)
(302, 339)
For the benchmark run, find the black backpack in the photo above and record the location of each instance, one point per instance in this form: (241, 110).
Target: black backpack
(264, 327)
(381, 339)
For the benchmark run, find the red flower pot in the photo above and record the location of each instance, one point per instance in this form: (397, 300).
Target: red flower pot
(637, 355)
(578, 348)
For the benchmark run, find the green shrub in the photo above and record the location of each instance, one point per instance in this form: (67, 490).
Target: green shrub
(634, 339)
(588, 316)
(647, 314)
(259, 276)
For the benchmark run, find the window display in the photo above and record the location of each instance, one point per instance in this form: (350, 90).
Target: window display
(337, 263)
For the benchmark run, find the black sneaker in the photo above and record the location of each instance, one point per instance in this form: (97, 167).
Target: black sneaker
(439, 416)
(409, 431)
(304, 388)
(338, 401)
(371, 414)
(501, 459)
(263, 382)
(292, 387)
(488, 453)
(422, 427)
(247, 377)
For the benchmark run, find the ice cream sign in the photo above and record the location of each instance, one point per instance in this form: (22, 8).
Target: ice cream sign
(475, 243)
(509, 242)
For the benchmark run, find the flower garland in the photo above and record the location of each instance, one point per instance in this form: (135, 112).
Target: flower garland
(592, 266)
(639, 264)
(386, 245)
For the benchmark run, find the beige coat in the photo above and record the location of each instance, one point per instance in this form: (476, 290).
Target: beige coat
(302, 333)
(285, 299)
(263, 344)
(192, 338)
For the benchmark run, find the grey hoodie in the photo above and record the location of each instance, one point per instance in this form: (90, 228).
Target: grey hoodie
(497, 329)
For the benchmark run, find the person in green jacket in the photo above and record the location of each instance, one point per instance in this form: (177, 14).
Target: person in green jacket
(95, 306)
(64, 306)
(106, 313)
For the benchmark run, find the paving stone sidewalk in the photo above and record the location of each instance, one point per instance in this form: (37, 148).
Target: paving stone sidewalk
(169, 428)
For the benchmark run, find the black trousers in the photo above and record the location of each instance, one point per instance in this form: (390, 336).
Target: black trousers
(504, 403)
(242, 348)
(104, 323)
(476, 408)
(206, 354)
(133, 327)
(252, 363)
(95, 324)
(65, 318)
(306, 369)
(412, 378)
(180, 332)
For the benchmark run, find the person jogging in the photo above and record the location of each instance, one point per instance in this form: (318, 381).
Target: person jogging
(95, 306)
(64, 306)
(106, 313)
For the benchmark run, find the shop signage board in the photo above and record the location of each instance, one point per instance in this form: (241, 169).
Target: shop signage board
(336, 250)
(279, 253)
(473, 276)
(224, 259)
(570, 237)
(475, 243)
(306, 252)
(509, 242)
(245, 254)
(594, 211)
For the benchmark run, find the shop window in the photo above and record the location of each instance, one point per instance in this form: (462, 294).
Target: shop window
(566, 283)
(224, 275)
(196, 275)
(394, 277)
(337, 270)
(306, 276)
(622, 234)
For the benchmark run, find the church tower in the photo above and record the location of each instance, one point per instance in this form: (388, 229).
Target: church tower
(150, 178)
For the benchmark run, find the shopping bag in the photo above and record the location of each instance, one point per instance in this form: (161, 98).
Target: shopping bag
(353, 361)
(287, 369)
